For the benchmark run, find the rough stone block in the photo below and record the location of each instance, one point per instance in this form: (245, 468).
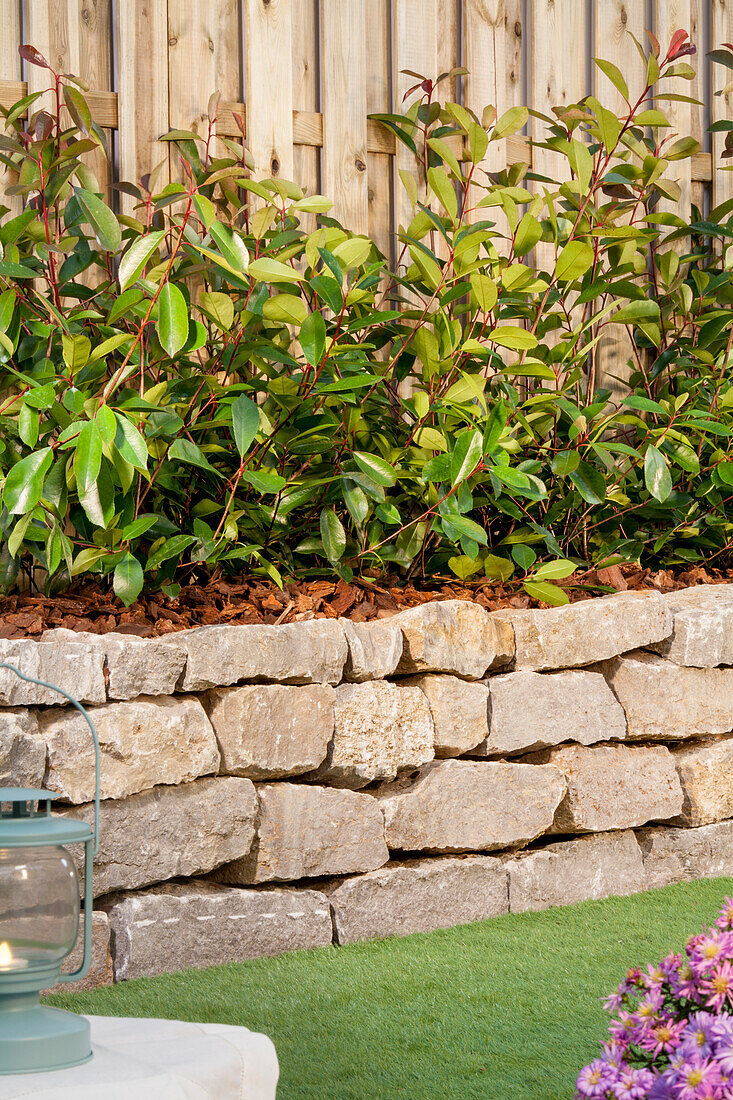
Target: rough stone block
(312, 652)
(100, 972)
(614, 786)
(269, 731)
(171, 831)
(374, 649)
(463, 806)
(199, 924)
(306, 831)
(706, 775)
(75, 667)
(22, 754)
(703, 626)
(453, 636)
(459, 709)
(418, 895)
(575, 870)
(534, 710)
(135, 666)
(380, 729)
(144, 743)
(682, 855)
(665, 701)
(592, 630)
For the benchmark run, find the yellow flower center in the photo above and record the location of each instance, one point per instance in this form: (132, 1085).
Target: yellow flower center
(719, 984)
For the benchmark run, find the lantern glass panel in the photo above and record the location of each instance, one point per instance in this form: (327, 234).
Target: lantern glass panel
(39, 906)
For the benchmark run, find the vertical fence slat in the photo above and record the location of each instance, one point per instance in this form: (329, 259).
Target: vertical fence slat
(721, 106)
(415, 41)
(343, 82)
(306, 158)
(142, 88)
(378, 98)
(269, 85)
(673, 15)
(447, 48)
(203, 57)
(10, 70)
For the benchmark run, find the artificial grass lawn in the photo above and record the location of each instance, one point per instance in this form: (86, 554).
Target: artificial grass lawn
(507, 1009)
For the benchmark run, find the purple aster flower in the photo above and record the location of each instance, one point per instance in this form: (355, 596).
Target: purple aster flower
(718, 987)
(663, 1036)
(696, 1078)
(725, 920)
(595, 1080)
(699, 1035)
(633, 1084)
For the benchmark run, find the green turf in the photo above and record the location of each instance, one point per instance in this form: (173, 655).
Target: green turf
(507, 1009)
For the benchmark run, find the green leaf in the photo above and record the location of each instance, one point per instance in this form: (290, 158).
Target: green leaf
(511, 121)
(264, 482)
(443, 187)
(565, 462)
(104, 224)
(171, 548)
(529, 232)
(643, 310)
(130, 443)
(78, 109)
(547, 593)
(287, 308)
(245, 422)
(484, 290)
(589, 482)
(657, 477)
(461, 527)
(466, 456)
(128, 579)
(231, 246)
(554, 570)
(172, 323)
(137, 255)
(87, 456)
(510, 336)
(574, 260)
(377, 468)
(218, 306)
(465, 567)
(75, 351)
(268, 270)
(333, 535)
(614, 74)
(313, 338)
(186, 451)
(23, 486)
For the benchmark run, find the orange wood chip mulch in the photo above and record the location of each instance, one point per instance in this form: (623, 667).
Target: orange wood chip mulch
(92, 608)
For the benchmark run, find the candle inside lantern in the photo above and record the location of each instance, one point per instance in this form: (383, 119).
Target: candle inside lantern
(8, 961)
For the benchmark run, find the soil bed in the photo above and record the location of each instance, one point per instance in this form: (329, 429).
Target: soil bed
(93, 608)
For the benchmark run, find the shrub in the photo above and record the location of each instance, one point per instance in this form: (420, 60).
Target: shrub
(672, 1034)
(207, 383)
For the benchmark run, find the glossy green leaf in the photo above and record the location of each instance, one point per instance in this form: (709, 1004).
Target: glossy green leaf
(172, 323)
(128, 579)
(23, 486)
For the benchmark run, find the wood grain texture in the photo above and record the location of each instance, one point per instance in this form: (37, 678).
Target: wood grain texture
(670, 16)
(414, 46)
(306, 98)
(379, 101)
(204, 56)
(142, 52)
(10, 71)
(268, 68)
(721, 106)
(343, 82)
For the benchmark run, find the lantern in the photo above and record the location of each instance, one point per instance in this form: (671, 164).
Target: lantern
(39, 922)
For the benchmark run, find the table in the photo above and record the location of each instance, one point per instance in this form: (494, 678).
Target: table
(138, 1059)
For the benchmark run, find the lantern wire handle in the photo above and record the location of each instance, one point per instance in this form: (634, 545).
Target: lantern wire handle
(75, 703)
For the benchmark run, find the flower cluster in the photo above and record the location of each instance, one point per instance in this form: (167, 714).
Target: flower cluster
(671, 1036)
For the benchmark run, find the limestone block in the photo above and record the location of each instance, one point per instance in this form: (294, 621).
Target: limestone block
(459, 709)
(307, 831)
(454, 636)
(199, 924)
(703, 626)
(706, 775)
(418, 895)
(312, 652)
(614, 786)
(76, 667)
(380, 728)
(593, 866)
(665, 701)
(100, 972)
(592, 630)
(144, 743)
(135, 666)
(22, 754)
(171, 831)
(374, 649)
(268, 731)
(463, 806)
(682, 855)
(534, 710)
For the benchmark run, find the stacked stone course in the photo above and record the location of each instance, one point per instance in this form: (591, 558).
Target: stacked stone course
(266, 788)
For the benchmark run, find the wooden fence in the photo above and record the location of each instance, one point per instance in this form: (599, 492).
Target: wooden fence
(306, 74)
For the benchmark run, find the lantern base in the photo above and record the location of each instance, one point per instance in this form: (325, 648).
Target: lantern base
(35, 1038)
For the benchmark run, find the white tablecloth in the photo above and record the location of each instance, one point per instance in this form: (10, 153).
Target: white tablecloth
(159, 1060)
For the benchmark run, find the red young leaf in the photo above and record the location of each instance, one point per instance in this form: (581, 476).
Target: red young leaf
(677, 39)
(654, 43)
(33, 57)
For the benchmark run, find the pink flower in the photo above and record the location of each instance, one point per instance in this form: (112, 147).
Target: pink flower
(718, 987)
(664, 1036)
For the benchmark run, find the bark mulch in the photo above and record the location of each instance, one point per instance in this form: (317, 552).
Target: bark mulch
(93, 608)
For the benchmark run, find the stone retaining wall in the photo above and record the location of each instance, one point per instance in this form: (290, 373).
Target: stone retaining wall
(267, 788)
